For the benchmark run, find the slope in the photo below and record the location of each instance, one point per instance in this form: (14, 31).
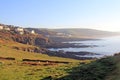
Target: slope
(115, 75)
(29, 70)
(86, 33)
(7, 50)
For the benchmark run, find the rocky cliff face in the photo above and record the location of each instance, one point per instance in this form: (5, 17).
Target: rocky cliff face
(36, 40)
(26, 38)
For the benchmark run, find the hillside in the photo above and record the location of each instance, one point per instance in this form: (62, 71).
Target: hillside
(74, 32)
(7, 50)
(39, 40)
(22, 58)
(21, 35)
(86, 33)
(26, 65)
(60, 35)
(115, 74)
(15, 38)
(107, 68)
(43, 31)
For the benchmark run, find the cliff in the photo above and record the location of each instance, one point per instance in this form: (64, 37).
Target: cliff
(23, 36)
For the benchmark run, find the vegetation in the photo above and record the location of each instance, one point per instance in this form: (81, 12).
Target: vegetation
(115, 74)
(96, 70)
(7, 50)
(13, 68)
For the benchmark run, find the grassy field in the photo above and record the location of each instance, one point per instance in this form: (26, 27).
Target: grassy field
(96, 70)
(16, 70)
(12, 70)
(6, 50)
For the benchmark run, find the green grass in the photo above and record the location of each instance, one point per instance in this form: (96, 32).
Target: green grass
(18, 71)
(96, 70)
(15, 70)
(115, 75)
(6, 50)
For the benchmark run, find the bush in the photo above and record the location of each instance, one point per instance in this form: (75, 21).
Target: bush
(96, 70)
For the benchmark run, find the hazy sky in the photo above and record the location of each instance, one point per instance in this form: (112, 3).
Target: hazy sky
(97, 14)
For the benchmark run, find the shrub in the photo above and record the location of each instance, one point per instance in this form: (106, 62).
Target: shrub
(96, 70)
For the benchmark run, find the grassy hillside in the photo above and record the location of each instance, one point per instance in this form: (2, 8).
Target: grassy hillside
(96, 70)
(102, 69)
(115, 75)
(19, 70)
(7, 50)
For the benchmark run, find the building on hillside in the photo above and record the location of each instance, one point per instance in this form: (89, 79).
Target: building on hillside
(33, 32)
(1, 27)
(19, 30)
(60, 34)
(6, 28)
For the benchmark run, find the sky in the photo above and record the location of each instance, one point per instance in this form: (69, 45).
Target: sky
(93, 14)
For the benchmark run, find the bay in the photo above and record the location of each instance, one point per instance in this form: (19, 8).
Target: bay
(105, 46)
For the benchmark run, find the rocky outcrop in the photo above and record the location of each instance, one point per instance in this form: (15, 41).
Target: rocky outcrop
(27, 38)
(31, 49)
(36, 40)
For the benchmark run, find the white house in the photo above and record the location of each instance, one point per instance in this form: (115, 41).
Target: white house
(7, 28)
(33, 32)
(60, 33)
(20, 29)
(1, 27)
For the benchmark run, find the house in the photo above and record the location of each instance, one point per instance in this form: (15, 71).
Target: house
(20, 30)
(1, 27)
(33, 32)
(6, 28)
(60, 34)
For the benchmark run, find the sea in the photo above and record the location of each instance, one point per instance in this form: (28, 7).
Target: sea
(104, 47)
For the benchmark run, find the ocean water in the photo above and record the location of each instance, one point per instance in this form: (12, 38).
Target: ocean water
(105, 46)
